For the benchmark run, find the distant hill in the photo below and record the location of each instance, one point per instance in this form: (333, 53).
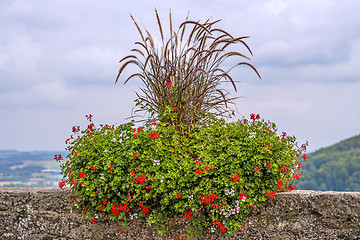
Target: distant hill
(334, 168)
(29, 169)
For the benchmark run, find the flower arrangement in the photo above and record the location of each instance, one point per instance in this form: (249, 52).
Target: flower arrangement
(185, 160)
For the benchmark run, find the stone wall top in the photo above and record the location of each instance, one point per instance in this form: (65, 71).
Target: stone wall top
(45, 214)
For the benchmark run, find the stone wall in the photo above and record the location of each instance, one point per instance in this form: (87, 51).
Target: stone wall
(45, 214)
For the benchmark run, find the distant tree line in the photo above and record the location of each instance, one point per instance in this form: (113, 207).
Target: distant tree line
(335, 168)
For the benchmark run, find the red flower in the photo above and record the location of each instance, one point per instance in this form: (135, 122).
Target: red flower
(299, 166)
(208, 199)
(58, 157)
(179, 195)
(254, 117)
(148, 187)
(62, 185)
(153, 135)
(187, 215)
(198, 161)
(110, 169)
(90, 128)
(135, 135)
(297, 176)
(283, 169)
(93, 221)
(242, 196)
(207, 167)
(119, 207)
(222, 228)
(75, 129)
(120, 231)
(89, 117)
(199, 171)
(256, 169)
(101, 208)
(269, 166)
(93, 168)
(168, 84)
(82, 174)
(304, 157)
(104, 201)
(175, 107)
(280, 185)
(141, 178)
(134, 154)
(271, 194)
(154, 123)
(234, 178)
(144, 209)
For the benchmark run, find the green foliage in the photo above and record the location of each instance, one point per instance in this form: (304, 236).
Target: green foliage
(185, 71)
(214, 177)
(335, 168)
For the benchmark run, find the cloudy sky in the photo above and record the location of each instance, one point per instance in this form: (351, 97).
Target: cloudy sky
(59, 60)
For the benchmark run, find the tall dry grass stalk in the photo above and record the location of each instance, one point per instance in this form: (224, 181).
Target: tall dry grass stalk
(185, 71)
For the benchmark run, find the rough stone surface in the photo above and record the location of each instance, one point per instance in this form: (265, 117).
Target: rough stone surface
(45, 214)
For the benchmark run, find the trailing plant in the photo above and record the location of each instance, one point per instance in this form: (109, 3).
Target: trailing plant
(185, 72)
(214, 177)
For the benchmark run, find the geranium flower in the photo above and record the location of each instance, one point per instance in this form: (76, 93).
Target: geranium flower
(62, 185)
(101, 208)
(283, 169)
(271, 194)
(134, 154)
(207, 167)
(82, 174)
(187, 214)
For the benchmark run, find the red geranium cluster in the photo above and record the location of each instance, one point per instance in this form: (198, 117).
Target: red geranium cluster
(140, 178)
(153, 135)
(144, 208)
(119, 207)
(208, 199)
(222, 228)
(234, 178)
(271, 194)
(187, 214)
